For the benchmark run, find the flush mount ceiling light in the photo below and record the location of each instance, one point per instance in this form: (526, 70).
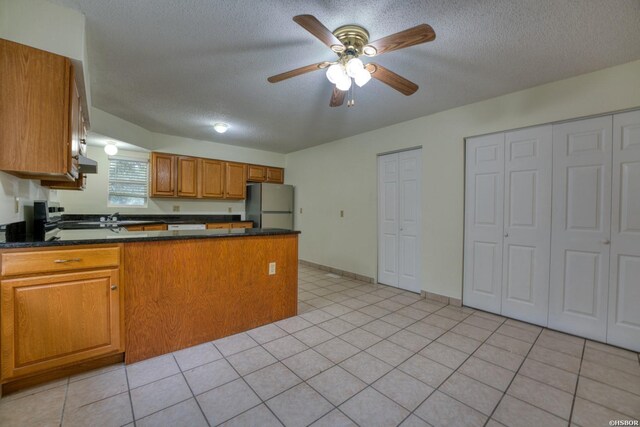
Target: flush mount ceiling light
(350, 42)
(111, 148)
(221, 127)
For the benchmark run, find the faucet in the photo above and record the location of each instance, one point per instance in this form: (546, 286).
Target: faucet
(113, 217)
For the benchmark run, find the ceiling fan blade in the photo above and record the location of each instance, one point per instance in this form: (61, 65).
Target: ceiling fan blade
(337, 97)
(399, 83)
(322, 33)
(419, 34)
(293, 73)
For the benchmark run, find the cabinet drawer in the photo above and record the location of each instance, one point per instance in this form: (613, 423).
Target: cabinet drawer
(18, 263)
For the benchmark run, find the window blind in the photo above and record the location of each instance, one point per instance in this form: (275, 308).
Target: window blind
(128, 182)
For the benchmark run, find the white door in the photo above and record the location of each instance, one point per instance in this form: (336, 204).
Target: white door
(388, 224)
(581, 227)
(409, 245)
(484, 222)
(624, 285)
(527, 224)
(399, 219)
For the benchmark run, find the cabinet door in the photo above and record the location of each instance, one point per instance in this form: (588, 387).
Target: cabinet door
(388, 219)
(217, 225)
(624, 284)
(54, 320)
(211, 179)
(581, 227)
(275, 175)
(163, 175)
(236, 181)
(527, 224)
(187, 176)
(483, 233)
(256, 173)
(244, 224)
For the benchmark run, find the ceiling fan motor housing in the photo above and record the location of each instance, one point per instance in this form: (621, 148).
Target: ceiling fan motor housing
(353, 37)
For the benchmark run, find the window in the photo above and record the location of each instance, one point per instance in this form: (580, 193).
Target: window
(128, 181)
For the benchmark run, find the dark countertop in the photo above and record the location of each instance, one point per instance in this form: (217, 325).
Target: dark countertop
(120, 235)
(68, 220)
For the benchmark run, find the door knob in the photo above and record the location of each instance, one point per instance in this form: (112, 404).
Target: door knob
(506, 234)
(606, 241)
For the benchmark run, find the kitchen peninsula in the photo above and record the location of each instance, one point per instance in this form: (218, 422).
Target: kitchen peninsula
(93, 295)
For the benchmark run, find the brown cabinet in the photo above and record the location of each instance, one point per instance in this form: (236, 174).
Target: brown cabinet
(243, 224)
(211, 179)
(152, 227)
(235, 181)
(275, 175)
(65, 307)
(39, 115)
(256, 173)
(163, 175)
(216, 225)
(80, 184)
(187, 176)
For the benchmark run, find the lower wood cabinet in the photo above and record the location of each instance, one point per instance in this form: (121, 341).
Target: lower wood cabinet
(49, 321)
(152, 227)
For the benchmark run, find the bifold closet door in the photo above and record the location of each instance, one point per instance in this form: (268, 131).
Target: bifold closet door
(581, 227)
(527, 224)
(624, 284)
(388, 223)
(484, 222)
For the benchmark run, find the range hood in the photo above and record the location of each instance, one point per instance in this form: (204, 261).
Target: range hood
(86, 165)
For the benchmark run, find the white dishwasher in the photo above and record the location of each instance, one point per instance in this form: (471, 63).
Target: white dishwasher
(174, 227)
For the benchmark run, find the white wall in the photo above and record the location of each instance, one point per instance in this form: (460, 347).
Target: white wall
(341, 175)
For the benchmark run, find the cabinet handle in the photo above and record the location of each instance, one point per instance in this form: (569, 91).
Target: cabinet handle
(114, 287)
(62, 261)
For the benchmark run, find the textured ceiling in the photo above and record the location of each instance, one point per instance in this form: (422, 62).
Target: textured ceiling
(177, 66)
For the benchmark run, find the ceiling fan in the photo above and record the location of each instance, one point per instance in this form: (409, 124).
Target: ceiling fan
(350, 42)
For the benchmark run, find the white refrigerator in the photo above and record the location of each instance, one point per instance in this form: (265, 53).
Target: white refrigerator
(270, 205)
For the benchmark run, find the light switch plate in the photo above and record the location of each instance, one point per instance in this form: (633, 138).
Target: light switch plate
(176, 208)
(272, 268)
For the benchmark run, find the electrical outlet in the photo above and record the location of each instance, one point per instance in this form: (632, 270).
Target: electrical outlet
(341, 214)
(176, 208)
(272, 268)
(229, 208)
(300, 210)
(17, 205)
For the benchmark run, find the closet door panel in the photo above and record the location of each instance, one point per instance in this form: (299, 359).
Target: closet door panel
(581, 222)
(484, 203)
(624, 286)
(388, 222)
(527, 224)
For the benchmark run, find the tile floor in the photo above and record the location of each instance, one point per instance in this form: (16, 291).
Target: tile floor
(357, 354)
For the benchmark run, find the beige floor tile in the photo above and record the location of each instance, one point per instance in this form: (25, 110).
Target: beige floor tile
(251, 360)
(612, 350)
(370, 299)
(158, 395)
(403, 389)
(40, 388)
(571, 347)
(234, 344)
(510, 344)
(151, 370)
(555, 358)
(442, 410)
(440, 321)
(391, 353)
(370, 408)
(336, 350)
(192, 357)
(518, 333)
(260, 416)
(366, 367)
(113, 411)
(612, 361)
(334, 418)
(293, 324)
(285, 347)
(92, 389)
(486, 372)
(445, 355)
(470, 331)
(389, 305)
(336, 384)
(337, 309)
(183, 414)
(426, 330)
(337, 326)
(373, 311)
(272, 380)
(313, 336)
(354, 303)
(472, 393)
(412, 313)
(227, 401)
(357, 318)
(467, 345)
(360, 338)
(543, 396)
(209, 376)
(380, 328)
(409, 340)
(299, 406)
(267, 333)
(514, 412)
(610, 376)
(94, 372)
(398, 320)
(427, 371)
(406, 298)
(427, 306)
(413, 421)
(499, 357)
(456, 314)
(490, 316)
(40, 409)
(609, 397)
(316, 316)
(482, 322)
(556, 377)
(493, 423)
(307, 363)
(589, 414)
(523, 325)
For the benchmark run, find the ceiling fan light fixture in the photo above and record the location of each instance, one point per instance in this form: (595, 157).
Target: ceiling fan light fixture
(354, 66)
(362, 77)
(369, 50)
(221, 127)
(344, 83)
(335, 73)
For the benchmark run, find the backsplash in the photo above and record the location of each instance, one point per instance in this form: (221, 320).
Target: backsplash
(26, 191)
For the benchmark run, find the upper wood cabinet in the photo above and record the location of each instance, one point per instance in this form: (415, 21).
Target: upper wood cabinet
(163, 175)
(275, 175)
(235, 181)
(212, 175)
(256, 173)
(187, 176)
(39, 129)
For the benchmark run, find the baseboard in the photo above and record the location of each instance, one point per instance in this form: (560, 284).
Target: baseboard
(441, 298)
(338, 271)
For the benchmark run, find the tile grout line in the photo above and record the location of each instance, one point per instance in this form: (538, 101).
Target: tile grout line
(575, 391)
(133, 414)
(193, 396)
